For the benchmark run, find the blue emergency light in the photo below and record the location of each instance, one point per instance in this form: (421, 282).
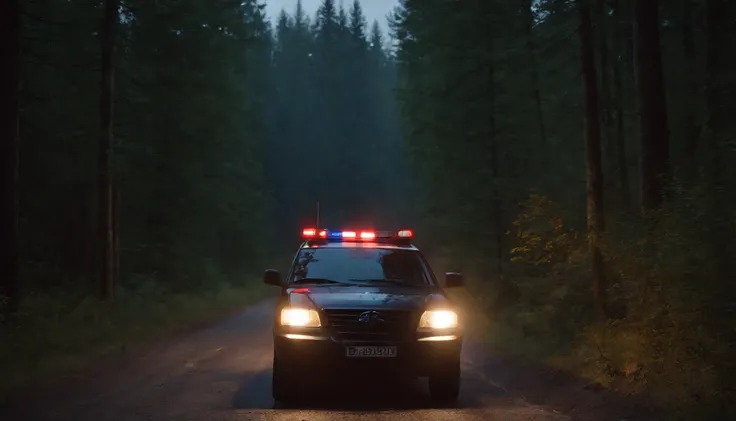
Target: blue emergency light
(355, 235)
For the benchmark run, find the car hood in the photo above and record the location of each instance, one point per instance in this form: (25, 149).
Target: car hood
(367, 297)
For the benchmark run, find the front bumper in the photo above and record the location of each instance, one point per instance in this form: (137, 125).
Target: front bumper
(306, 350)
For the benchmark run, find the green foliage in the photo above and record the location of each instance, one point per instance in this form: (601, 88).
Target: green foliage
(549, 275)
(188, 141)
(669, 338)
(674, 342)
(543, 239)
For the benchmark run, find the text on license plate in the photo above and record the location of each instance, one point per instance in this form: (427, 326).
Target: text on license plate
(371, 351)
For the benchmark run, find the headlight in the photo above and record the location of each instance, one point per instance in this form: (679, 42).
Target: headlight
(300, 317)
(438, 319)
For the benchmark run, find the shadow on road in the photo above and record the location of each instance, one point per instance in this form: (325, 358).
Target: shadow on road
(361, 394)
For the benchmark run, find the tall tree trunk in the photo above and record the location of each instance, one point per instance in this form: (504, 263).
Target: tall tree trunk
(627, 23)
(719, 111)
(596, 220)
(692, 129)
(90, 251)
(654, 136)
(497, 203)
(609, 147)
(531, 49)
(631, 62)
(116, 234)
(621, 155)
(9, 139)
(487, 93)
(107, 46)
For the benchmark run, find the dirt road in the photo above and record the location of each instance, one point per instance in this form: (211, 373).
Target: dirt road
(224, 373)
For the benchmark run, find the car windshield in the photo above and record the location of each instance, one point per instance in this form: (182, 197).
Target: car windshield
(359, 266)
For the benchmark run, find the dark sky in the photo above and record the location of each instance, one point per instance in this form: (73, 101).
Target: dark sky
(373, 9)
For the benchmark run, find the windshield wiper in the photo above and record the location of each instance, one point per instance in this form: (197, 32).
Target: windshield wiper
(317, 281)
(393, 281)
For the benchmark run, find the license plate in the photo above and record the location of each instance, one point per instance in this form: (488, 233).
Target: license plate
(371, 351)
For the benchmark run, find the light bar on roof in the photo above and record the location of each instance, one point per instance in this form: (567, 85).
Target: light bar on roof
(356, 235)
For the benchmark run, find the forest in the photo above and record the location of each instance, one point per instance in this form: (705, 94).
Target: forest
(578, 158)
(575, 158)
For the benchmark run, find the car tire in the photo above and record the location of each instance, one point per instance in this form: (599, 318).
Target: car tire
(283, 383)
(444, 386)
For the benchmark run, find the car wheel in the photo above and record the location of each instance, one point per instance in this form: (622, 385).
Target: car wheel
(444, 386)
(284, 385)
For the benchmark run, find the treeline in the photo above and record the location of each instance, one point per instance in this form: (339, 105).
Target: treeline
(583, 151)
(333, 124)
(183, 142)
(168, 184)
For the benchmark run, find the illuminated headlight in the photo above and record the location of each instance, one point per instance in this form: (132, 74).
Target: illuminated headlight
(300, 317)
(438, 319)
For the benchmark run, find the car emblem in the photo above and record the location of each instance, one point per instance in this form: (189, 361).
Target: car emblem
(370, 318)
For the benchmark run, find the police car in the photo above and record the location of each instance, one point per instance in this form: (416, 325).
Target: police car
(363, 301)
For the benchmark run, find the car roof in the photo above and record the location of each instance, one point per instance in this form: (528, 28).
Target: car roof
(361, 244)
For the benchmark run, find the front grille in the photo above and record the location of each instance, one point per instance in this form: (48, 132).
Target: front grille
(397, 325)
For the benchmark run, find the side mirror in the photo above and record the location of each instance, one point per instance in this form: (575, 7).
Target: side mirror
(272, 277)
(453, 279)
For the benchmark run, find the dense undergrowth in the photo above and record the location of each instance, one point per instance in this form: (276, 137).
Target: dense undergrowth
(56, 332)
(670, 332)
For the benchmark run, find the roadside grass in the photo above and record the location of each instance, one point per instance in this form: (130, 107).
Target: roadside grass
(56, 333)
(674, 362)
(669, 340)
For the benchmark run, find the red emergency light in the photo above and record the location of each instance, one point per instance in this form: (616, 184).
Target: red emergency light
(311, 233)
(367, 235)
